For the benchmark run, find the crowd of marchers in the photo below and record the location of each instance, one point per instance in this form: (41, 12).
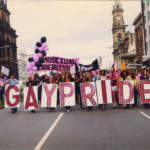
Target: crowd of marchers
(65, 76)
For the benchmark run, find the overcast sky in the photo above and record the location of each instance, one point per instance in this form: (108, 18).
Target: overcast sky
(73, 28)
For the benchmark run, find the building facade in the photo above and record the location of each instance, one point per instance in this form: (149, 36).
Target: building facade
(118, 29)
(128, 50)
(22, 60)
(146, 32)
(139, 38)
(8, 48)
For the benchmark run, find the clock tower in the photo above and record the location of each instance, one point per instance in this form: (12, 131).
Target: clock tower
(118, 28)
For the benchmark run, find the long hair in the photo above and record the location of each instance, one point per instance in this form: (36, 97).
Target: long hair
(122, 74)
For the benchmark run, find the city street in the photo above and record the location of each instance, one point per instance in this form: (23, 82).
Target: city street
(114, 129)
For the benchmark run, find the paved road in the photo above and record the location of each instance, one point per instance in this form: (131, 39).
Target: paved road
(114, 129)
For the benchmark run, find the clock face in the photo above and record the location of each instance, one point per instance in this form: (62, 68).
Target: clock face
(118, 18)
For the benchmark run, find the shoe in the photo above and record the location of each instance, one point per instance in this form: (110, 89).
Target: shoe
(115, 105)
(52, 110)
(13, 111)
(33, 111)
(68, 110)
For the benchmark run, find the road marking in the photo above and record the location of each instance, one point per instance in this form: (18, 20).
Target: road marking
(147, 116)
(47, 134)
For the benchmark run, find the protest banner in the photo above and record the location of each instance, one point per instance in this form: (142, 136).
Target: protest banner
(49, 95)
(12, 96)
(104, 94)
(31, 98)
(67, 94)
(5, 70)
(88, 92)
(145, 91)
(88, 68)
(54, 63)
(126, 92)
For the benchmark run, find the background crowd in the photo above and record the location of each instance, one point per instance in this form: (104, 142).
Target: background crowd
(65, 76)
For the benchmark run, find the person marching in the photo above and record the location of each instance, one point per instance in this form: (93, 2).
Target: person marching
(13, 81)
(113, 78)
(145, 76)
(89, 78)
(51, 81)
(135, 81)
(124, 77)
(78, 80)
(103, 77)
(68, 78)
(3, 79)
(29, 83)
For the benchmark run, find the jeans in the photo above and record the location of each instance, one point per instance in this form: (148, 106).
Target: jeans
(2, 91)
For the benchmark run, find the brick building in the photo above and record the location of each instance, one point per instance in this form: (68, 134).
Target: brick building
(8, 48)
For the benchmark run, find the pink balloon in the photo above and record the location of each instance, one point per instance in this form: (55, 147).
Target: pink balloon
(30, 73)
(29, 67)
(36, 59)
(32, 64)
(27, 64)
(44, 45)
(46, 49)
(40, 55)
(33, 55)
(34, 68)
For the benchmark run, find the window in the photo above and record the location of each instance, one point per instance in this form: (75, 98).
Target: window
(148, 15)
(144, 19)
(145, 32)
(147, 2)
(8, 52)
(119, 37)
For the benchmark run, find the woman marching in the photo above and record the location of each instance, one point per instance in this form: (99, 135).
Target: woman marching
(124, 77)
(31, 82)
(78, 80)
(101, 75)
(51, 81)
(89, 78)
(68, 78)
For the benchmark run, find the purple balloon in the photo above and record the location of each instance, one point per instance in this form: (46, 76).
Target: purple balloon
(46, 49)
(34, 68)
(40, 55)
